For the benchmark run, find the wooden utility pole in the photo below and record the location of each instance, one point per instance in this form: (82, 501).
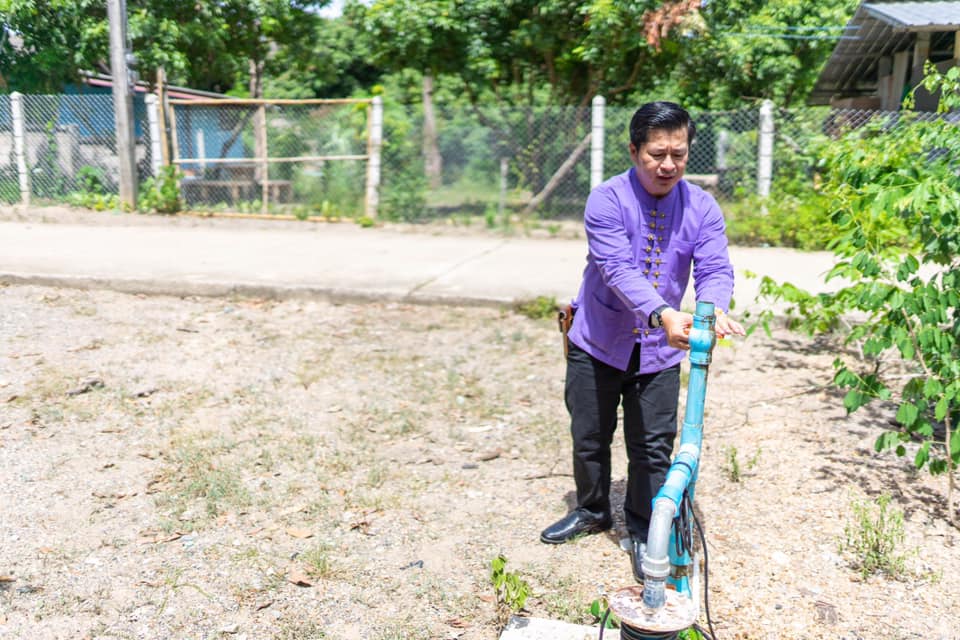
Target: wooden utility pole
(122, 102)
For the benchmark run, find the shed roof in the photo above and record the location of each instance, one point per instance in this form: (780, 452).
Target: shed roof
(880, 29)
(917, 16)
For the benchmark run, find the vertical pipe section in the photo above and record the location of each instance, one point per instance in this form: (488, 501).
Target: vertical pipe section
(19, 145)
(682, 475)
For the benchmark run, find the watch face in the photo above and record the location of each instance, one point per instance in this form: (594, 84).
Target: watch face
(655, 320)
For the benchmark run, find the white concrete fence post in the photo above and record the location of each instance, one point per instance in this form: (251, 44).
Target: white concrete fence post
(153, 120)
(19, 145)
(765, 150)
(596, 141)
(374, 144)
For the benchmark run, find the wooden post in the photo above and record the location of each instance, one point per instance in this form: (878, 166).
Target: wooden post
(921, 51)
(162, 116)
(122, 102)
(261, 123)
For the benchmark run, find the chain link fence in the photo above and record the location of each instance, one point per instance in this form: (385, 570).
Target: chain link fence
(69, 147)
(483, 161)
(9, 179)
(308, 158)
(537, 160)
(305, 158)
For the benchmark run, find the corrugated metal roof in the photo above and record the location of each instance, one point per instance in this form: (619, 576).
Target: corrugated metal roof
(880, 29)
(940, 16)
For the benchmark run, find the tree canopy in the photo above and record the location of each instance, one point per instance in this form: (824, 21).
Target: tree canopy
(707, 54)
(203, 44)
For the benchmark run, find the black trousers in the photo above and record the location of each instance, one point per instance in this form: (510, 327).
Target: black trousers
(593, 392)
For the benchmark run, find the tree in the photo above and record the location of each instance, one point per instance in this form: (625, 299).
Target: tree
(754, 50)
(336, 62)
(205, 44)
(899, 223)
(45, 43)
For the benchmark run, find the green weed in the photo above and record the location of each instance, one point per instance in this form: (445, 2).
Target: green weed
(541, 307)
(318, 562)
(511, 591)
(732, 467)
(873, 538)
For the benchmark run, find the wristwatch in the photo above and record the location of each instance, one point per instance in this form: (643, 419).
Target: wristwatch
(655, 320)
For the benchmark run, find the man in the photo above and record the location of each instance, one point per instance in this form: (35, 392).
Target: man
(644, 228)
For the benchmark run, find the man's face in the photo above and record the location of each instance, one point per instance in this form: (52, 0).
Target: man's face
(661, 160)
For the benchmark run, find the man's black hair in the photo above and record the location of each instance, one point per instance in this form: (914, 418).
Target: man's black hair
(660, 115)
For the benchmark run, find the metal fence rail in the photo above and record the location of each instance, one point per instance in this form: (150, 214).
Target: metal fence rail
(272, 155)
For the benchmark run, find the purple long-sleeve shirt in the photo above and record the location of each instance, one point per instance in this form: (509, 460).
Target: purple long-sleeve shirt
(640, 253)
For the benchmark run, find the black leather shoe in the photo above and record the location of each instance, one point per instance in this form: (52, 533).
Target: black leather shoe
(575, 524)
(637, 549)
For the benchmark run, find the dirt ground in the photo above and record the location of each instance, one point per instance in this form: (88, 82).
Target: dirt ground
(241, 468)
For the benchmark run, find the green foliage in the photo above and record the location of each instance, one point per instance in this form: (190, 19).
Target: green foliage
(873, 538)
(511, 591)
(800, 221)
(690, 634)
(209, 46)
(59, 37)
(403, 193)
(732, 468)
(92, 190)
(161, 194)
(498, 49)
(47, 178)
(754, 50)
(895, 199)
(9, 185)
(541, 307)
(600, 610)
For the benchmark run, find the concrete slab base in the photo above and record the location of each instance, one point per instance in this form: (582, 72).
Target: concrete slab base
(542, 629)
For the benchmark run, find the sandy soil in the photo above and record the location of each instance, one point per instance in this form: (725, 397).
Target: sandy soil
(210, 468)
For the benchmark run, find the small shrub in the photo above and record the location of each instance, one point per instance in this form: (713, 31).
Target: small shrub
(510, 590)
(874, 535)
(161, 194)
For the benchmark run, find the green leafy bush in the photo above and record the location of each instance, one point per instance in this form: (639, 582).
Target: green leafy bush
(801, 221)
(894, 194)
(161, 194)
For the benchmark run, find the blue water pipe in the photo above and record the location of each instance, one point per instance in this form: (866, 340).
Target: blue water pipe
(668, 556)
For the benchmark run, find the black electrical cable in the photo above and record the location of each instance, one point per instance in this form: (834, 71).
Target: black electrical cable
(703, 632)
(706, 576)
(603, 623)
(686, 531)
